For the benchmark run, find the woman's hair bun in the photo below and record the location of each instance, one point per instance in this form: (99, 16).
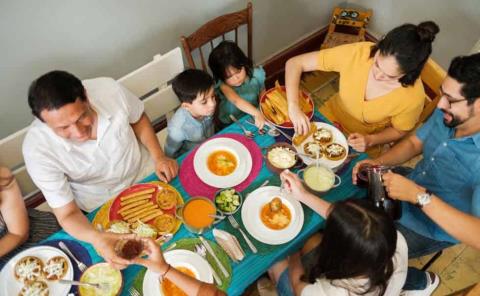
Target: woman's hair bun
(427, 31)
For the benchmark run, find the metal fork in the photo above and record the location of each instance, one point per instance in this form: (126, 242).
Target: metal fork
(245, 237)
(133, 292)
(200, 250)
(80, 264)
(247, 133)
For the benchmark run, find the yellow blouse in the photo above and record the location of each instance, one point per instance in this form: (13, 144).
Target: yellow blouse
(399, 108)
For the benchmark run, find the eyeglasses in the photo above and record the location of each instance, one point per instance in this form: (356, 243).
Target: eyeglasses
(450, 102)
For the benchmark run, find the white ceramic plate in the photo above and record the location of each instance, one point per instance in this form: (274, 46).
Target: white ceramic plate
(252, 207)
(338, 137)
(241, 172)
(10, 286)
(178, 258)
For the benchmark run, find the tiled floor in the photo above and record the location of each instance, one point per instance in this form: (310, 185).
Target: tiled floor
(458, 267)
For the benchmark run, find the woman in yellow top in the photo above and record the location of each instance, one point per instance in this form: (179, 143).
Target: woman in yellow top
(381, 95)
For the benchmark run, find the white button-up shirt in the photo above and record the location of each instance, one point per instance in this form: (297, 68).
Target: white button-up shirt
(90, 172)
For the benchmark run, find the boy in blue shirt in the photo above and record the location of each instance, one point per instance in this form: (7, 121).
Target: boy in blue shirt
(192, 123)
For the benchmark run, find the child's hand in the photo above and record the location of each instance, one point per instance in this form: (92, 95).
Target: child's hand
(259, 120)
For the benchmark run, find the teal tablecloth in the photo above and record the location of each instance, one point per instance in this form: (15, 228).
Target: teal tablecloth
(253, 266)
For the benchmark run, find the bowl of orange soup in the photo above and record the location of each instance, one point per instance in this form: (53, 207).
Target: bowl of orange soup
(222, 162)
(170, 289)
(198, 214)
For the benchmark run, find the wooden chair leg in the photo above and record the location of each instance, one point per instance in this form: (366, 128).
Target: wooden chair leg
(432, 260)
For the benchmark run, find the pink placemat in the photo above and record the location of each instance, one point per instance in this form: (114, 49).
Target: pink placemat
(194, 186)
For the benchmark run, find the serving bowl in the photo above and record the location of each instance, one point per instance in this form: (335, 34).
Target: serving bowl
(274, 167)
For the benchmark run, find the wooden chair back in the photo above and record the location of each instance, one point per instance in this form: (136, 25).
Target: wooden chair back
(11, 157)
(432, 77)
(151, 83)
(215, 28)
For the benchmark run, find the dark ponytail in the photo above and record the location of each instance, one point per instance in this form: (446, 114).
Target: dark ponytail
(411, 45)
(427, 31)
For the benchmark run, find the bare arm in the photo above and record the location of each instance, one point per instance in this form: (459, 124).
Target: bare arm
(14, 213)
(242, 104)
(293, 71)
(293, 183)
(166, 168)
(462, 226)
(157, 263)
(403, 151)
(74, 222)
(362, 142)
(77, 225)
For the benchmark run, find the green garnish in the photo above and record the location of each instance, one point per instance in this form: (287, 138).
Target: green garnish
(227, 201)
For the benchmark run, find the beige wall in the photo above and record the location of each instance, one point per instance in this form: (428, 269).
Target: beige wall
(112, 37)
(459, 22)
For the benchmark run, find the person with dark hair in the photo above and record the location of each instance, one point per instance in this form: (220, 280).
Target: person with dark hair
(90, 140)
(19, 228)
(380, 96)
(192, 123)
(442, 192)
(239, 84)
(358, 253)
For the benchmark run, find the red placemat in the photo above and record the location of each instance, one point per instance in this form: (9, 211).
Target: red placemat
(196, 187)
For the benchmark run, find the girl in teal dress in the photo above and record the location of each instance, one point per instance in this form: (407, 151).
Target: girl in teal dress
(238, 84)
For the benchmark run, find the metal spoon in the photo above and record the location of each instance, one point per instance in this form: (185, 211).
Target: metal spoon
(247, 133)
(100, 286)
(261, 131)
(279, 131)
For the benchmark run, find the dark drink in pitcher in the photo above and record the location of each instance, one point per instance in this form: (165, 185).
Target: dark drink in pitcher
(379, 195)
(362, 175)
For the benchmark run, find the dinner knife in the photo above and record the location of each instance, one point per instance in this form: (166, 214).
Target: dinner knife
(212, 253)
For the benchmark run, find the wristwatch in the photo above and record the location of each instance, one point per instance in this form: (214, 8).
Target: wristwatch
(423, 198)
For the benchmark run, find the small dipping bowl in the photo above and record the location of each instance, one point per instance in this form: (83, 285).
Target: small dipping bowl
(277, 169)
(219, 208)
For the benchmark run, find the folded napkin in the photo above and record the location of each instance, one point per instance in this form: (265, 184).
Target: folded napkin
(230, 244)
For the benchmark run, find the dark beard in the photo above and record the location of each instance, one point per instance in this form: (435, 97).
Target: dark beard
(455, 120)
(454, 123)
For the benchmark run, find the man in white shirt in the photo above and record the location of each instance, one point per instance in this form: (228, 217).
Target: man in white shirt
(83, 148)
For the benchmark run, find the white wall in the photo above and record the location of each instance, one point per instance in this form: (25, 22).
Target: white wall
(459, 22)
(112, 37)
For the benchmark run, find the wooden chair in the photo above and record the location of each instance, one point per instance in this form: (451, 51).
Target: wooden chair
(347, 25)
(215, 28)
(432, 77)
(149, 82)
(11, 156)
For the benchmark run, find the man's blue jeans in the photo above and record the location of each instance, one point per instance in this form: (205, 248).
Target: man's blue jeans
(418, 246)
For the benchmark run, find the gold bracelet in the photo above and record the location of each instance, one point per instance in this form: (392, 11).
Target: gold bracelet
(162, 277)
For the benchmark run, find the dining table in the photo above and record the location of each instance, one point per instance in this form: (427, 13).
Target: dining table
(253, 266)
